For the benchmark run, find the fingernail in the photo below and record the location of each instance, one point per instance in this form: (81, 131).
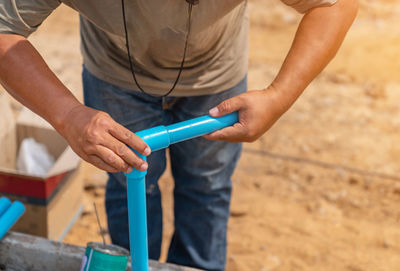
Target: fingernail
(129, 170)
(147, 151)
(143, 167)
(214, 111)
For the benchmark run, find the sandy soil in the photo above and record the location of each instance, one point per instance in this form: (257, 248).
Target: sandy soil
(319, 191)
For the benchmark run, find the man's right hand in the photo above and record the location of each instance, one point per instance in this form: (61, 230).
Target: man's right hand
(101, 141)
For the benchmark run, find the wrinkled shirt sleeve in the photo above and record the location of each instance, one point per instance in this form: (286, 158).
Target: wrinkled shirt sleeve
(23, 17)
(303, 6)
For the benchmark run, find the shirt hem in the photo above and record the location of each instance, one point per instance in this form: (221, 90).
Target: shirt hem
(178, 92)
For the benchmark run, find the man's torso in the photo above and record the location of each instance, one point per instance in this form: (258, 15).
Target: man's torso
(217, 49)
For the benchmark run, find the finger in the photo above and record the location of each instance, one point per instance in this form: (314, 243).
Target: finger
(96, 161)
(110, 158)
(122, 150)
(226, 107)
(235, 133)
(130, 139)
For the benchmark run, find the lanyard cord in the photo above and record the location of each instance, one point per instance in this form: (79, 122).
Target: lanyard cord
(184, 51)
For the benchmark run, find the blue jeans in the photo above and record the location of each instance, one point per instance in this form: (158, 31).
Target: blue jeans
(201, 169)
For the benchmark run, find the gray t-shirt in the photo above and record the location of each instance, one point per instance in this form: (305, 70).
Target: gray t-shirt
(217, 51)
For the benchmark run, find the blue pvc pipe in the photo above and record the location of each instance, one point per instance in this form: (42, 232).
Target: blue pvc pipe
(158, 138)
(161, 137)
(8, 219)
(136, 188)
(188, 129)
(5, 203)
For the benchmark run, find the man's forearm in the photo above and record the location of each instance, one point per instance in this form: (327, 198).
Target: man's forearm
(92, 134)
(26, 76)
(319, 36)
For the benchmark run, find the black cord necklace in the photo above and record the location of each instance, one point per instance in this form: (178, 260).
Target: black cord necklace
(190, 7)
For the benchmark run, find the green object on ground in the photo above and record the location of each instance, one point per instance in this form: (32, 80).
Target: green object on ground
(99, 257)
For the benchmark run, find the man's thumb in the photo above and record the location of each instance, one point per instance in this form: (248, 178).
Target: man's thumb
(226, 107)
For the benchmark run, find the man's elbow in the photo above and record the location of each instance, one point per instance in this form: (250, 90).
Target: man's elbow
(7, 40)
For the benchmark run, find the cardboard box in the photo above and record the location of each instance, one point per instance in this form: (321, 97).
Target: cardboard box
(52, 201)
(54, 217)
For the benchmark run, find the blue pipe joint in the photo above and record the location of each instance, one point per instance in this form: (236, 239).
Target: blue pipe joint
(156, 138)
(5, 203)
(10, 217)
(136, 174)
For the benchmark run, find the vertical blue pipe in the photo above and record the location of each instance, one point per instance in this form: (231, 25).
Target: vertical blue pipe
(5, 203)
(136, 189)
(8, 219)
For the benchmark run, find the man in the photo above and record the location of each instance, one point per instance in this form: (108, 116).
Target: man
(213, 81)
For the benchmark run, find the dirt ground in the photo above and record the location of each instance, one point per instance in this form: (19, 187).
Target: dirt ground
(319, 191)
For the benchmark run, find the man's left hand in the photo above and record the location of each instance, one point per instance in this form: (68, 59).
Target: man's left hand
(258, 111)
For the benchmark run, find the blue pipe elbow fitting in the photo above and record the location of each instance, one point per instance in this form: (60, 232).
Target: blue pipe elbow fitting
(158, 138)
(10, 217)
